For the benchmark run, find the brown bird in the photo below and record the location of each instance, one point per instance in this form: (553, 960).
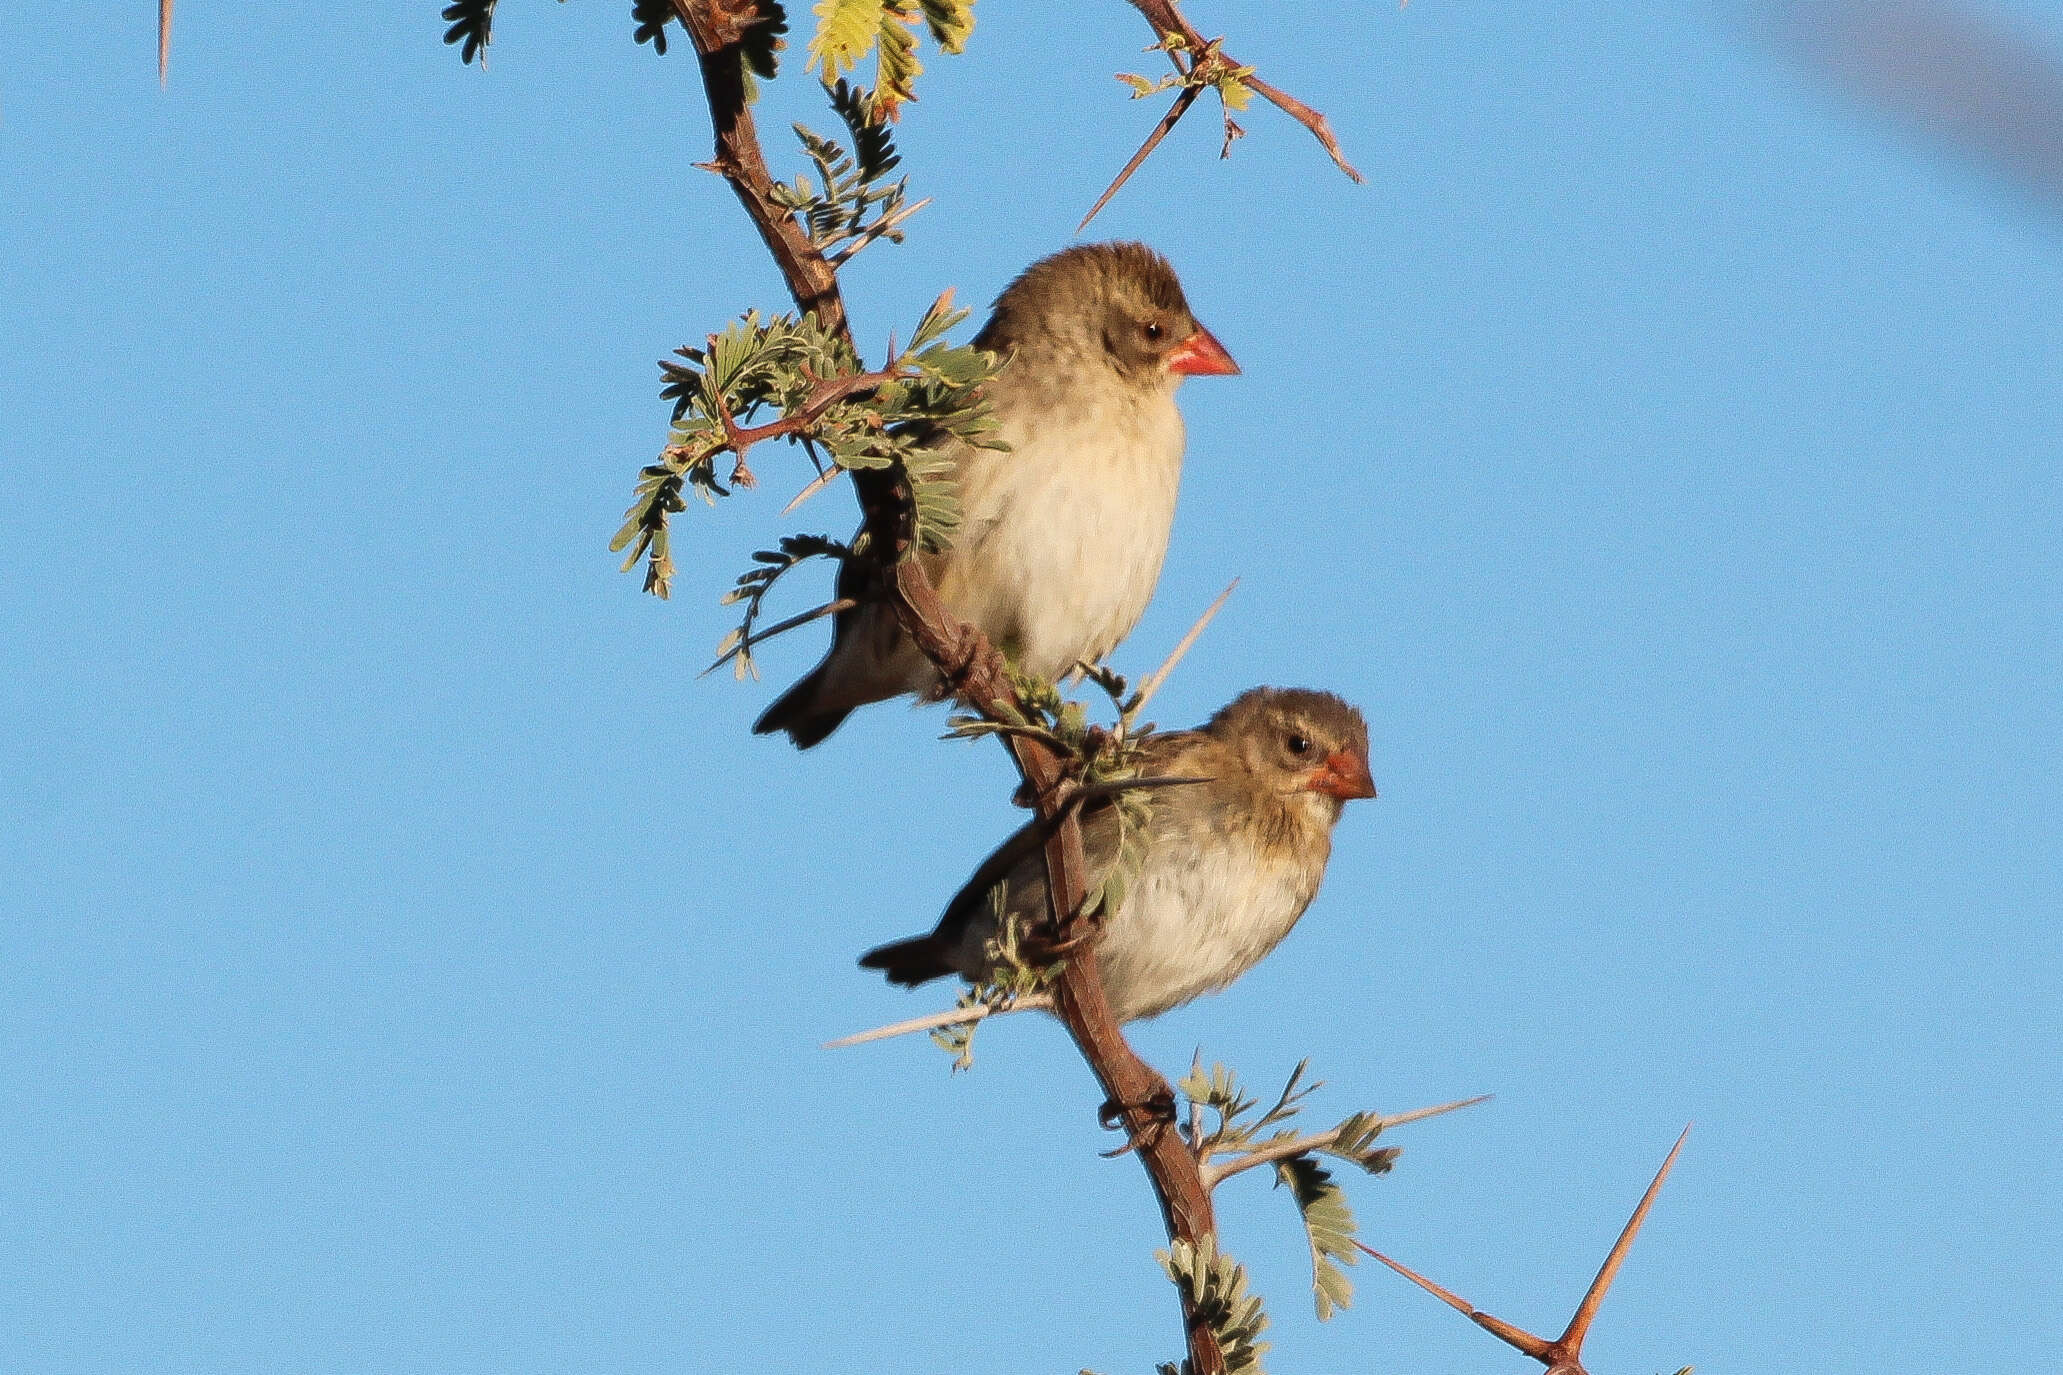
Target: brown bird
(1062, 535)
(1228, 865)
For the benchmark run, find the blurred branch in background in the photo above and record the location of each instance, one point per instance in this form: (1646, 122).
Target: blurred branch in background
(1978, 89)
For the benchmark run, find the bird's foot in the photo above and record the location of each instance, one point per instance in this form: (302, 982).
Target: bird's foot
(1043, 947)
(969, 657)
(1159, 1108)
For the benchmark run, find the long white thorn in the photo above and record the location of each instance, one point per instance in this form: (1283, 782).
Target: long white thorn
(1160, 675)
(952, 1016)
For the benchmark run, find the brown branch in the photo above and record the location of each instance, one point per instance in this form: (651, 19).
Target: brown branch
(1167, 19)
(1310, 119)
(971, 668)
(822, 397)
(164, 39)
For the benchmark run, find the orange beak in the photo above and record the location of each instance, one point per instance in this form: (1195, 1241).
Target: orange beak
(1201, 355)
(1343, 775)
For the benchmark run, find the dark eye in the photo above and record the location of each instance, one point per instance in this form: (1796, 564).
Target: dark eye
(1154, 330)
(1299, 745)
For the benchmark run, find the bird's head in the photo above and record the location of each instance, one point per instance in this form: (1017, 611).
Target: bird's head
(1299, 742)
(1110, 306)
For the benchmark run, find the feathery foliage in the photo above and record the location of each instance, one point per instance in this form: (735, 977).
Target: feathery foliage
(1214, 1285)
(1321, 1202)
(768, 567)
(1104, 759)
(848, 30)
(951, 22)
(1011, 976)
(472, 28)
(651, 18)
(1329, 1226)
(761, 46)
(854, 208)
(790, 366)
(1219, 1091)
(1208, 67)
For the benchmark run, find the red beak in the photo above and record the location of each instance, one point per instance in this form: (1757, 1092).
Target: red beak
(1343, 775)
(1201, 355)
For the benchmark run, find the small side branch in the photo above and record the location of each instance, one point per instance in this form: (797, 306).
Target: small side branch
(1270, 1152)
(826, 394)
(1166, 18)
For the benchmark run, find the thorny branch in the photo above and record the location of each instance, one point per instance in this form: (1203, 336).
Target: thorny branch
(1563, 1355)
(1200, 62)
(823, 396)
(1167, 19)
(971, 667)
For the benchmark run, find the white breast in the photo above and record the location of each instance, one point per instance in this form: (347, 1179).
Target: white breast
(1200, 915)
(1063, 537)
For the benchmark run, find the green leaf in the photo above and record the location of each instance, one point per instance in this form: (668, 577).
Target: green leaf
(846, 30)
(871, 142)
(651, 18)
(1329, 1227)
(472, 27)
(940, 316)
(1215, 1286)
(950, 22)
(897, 67)
(1354, 1140)
(1234, 92)
(762, 42)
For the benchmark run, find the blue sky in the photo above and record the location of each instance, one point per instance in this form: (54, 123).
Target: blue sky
(411, 965)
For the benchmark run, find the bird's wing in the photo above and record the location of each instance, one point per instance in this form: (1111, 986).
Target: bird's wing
(1020, 861)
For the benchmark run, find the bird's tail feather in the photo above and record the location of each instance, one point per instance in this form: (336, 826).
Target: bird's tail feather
(917, 960)
(800, 712)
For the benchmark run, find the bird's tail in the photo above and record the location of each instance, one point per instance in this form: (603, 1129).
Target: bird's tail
(917, 960)
(801, 712)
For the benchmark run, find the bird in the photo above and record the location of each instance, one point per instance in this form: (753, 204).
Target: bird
(1061, 536)
(1227, 865)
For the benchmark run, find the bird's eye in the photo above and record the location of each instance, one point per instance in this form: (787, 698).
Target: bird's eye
(1154, 330)
(1299, 745)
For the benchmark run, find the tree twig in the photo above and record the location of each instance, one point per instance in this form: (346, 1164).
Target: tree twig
(1167, 19)
(887, 224)
(802, 618)
(822, 397)
(1269, 1152)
